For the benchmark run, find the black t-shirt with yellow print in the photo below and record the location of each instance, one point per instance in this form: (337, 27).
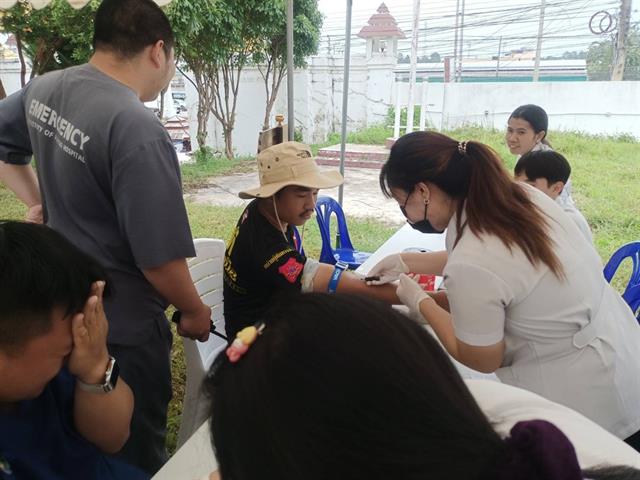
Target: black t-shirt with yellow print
(258, 265)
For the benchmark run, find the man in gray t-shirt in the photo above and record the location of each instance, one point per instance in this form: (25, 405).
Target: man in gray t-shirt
(109, 181)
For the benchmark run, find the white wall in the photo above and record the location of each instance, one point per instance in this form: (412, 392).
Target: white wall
(608, 108)
(10, 75)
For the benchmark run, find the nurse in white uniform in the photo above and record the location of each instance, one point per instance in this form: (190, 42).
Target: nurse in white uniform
(527, 298)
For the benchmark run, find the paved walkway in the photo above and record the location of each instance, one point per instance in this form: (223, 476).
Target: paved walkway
(362, 195)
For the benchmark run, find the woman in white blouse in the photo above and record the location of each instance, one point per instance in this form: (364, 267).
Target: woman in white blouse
(527, 298)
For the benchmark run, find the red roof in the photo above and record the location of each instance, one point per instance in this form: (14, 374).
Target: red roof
(381, 24)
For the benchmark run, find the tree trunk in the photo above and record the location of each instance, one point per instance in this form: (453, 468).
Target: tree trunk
(203, 120)
(228, 141)
(23, 65)
(3, 92)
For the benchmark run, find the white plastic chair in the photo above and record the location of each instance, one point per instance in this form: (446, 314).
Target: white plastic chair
(206, 270)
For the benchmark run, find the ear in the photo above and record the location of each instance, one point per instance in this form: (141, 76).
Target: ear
(424, 190)
(557, 187)
(540, 135)
(157, 54)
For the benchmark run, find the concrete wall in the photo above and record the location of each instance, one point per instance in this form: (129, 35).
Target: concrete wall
(318, 101)
(608, 108)
(10, 75)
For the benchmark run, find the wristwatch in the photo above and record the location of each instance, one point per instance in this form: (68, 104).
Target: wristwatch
(340, 267)
(110, 379)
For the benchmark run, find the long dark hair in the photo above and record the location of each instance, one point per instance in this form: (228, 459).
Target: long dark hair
(344, 387)
(494, 203)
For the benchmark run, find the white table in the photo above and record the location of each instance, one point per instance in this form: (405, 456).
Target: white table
(406, 238)
(193, 460)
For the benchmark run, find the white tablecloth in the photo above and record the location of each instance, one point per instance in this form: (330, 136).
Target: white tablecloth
(193, 460)
(405, 239)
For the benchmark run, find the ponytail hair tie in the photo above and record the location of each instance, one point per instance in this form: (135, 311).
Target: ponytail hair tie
(537, 450)
(462, 147)
(244, 339)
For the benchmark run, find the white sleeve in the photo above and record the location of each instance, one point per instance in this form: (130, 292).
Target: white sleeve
(477, 299)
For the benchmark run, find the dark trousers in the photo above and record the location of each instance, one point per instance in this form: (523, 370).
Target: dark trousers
(147, 370)
(634, 441)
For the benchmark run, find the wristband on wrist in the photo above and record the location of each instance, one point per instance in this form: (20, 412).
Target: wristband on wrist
(340, 267)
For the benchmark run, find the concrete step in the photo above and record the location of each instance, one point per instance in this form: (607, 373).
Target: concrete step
(361, 156)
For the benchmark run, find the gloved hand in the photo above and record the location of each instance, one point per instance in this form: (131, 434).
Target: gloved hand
(411, 294)
(388, 270)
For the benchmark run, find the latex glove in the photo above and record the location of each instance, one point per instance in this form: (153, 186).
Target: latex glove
(411, 294)
(388, 270)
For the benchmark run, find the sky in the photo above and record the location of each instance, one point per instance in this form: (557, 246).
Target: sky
(566, 26)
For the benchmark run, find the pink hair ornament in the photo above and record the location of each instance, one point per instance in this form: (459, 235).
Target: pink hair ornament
(243, 341)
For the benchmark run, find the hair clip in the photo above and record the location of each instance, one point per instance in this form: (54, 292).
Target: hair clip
(243, 341)
(462, 147)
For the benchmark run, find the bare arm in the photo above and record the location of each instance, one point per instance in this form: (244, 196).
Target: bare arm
(174, 283)
(104, 419)
(441, 299)
(22, 180)
(427, 262)
(350, 283)
(484, 359)
(101, 418)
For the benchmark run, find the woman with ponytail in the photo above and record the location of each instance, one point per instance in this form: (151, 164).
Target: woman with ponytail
(527, 298)
(380, 400)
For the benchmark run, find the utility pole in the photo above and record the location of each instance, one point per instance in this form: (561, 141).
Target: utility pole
(424, 44)
(291, 121)
(455, 41)
(620, 57)
(414, 60)
(499, 54)
(345, 103)
(460, 43)
(536, 67)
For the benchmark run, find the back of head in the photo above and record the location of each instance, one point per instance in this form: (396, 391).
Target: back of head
(546, 164)
(126, 27)
(472, 174)
(39, 270)
(535, 115)
(343, 387)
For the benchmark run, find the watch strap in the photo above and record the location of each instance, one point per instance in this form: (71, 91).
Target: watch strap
(110, 379)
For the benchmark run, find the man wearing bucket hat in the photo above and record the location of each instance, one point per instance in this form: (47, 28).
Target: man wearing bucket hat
(263, 259)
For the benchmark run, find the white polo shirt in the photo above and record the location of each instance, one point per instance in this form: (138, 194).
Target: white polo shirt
(573, 340)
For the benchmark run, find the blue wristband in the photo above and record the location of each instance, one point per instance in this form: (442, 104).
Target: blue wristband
(335, 278)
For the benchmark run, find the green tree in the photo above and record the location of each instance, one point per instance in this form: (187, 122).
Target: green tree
(55, 37)
(600, 57)
(216, 39)
(271, 58)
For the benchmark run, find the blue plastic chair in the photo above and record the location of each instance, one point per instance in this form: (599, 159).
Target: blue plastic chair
(631, 293)
(632, 297)
(325, 207)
